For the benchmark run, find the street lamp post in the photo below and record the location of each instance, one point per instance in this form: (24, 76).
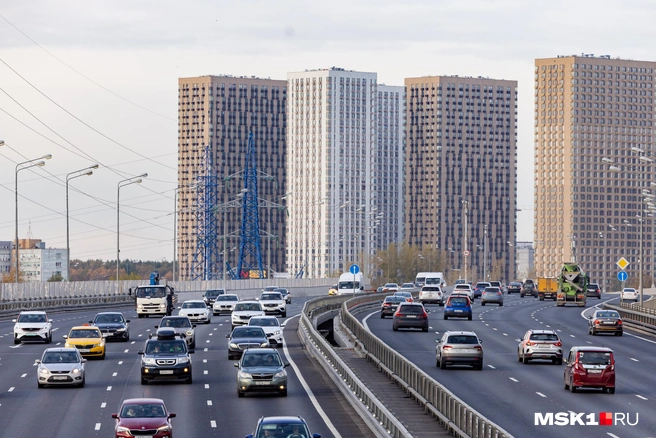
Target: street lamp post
(30, 163)
(127, 181)
(485, 253)
(68, 246)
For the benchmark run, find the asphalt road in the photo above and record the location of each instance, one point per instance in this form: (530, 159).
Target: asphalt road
(207, 408)
(511, 393)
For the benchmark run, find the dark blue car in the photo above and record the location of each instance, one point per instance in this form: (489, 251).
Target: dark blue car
(479, 288)
(459, 307)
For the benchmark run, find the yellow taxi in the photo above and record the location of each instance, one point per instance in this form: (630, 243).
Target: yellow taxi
(332, 290)
(87, 339)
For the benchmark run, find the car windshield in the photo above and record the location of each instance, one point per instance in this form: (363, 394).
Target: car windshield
(282, 291)
(458, 301)
(483, 285)
(213, 293)
(173, 346)
(227, 298)
(151, 292)
(274, 297)
(198, 305)
(176, 322)
(594, 357)
(411, 309)
(60, 357)
(431, 289)
(296, 430)
(261, 359)
(394, 299)
(248, 332)
(462, 339)
(32, 318)
(403, 294)
(348, 285)
(544, 337)
(248, 306)
(264, 322)
(629, 290)
(608, 314)
(143, 411)
(108, 319)
(593, 286)
(84, 333)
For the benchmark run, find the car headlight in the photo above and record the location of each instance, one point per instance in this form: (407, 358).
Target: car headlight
(243, 375)
(122, 329)
(277, 332)
(43, 370)
(139, 306)
(264, 344)
(189, 332)
(166, 428)
(279, 374)
(162, 306)
(183, 360)
(148, 361)
(75, 370)
(233, 345)
(67, 345)
(122, 429)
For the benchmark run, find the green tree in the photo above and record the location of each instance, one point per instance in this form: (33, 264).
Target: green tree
(56, 277)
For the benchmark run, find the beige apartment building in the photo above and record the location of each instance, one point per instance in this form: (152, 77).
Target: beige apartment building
(594, 168)
(220, 112)
(461, 181)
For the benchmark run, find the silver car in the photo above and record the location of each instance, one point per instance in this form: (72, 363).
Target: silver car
(459, 348)
(60, 366)
(540, 344)
(492, 294)
(261, 369)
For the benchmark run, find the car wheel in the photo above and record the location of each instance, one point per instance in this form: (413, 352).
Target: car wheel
(611, 390)
(81, 385)
(230, 356)
(144, 381)
(479, 366)
(620, 333)
(469, 317)
(525, 359)
(424, 329)
(593, 332)
(442, 365)
(102, 357)
(557, 361)
(16, 341)
(40, 385)
(566, 385)
(519, 356)
(193, 345)
(189, 381)
(283, 393)
(127, 338)
(382, 316)
(395, 328)
(49, 339)
(482, 303)
(572, 388)
(240, 393)
(500, 304)
(284, 314)
(140, 315)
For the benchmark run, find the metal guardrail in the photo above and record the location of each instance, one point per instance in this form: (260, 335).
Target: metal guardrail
(13, 307)
(383, 422)
(448, 409)
(640, 317)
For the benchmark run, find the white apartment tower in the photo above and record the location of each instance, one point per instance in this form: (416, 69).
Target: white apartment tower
(344, 169)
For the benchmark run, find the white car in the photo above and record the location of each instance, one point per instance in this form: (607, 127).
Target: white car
(271, 327)
(273, 302)
(32, 326)
(196, 311)
(390, 287)
(629, 294)
(60, 366)
(244, 311)
(464, 288)
(408, 286)
(224, 303)
(431, 294)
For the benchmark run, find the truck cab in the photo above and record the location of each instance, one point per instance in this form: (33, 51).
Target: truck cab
(156, 300)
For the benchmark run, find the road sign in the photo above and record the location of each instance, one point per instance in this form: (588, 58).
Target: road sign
(465, 253)
(622, 263)
(622, 276)
(354, 269)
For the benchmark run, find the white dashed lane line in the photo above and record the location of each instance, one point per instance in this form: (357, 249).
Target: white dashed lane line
(513, 379)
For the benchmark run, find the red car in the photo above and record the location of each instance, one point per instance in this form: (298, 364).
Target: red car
(590, 367)
(143, 416)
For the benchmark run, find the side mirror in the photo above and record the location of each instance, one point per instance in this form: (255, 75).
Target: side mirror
(286, 364)
(65, 336)
(38, 361)
(589, 317)
(140, 352)
(83, 360)
(13, 320)
(171, 415)
(227, 336)
(90, 322)
(565, 361)
(236, 364)
(50, 320)
(115, 416)
(193, 326)
(192, 350)
(257, 299)
(156, 326)
(127, 320)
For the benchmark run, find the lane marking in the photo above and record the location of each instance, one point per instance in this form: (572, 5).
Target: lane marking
(11, 389)
(209, 402)
(103, 405)
(213, 423)
(97, 426)
(114, 374)
(120, 362)
(205, 372)
(513, 379)
(207, 386)
(126, 350)
(109, 388)
(633, 359)
(24, 375)
(541, 395)
(639, 396)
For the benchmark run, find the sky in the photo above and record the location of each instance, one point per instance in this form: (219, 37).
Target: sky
(95, 82)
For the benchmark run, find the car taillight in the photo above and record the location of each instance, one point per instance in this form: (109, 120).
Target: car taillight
(498, 293)
(478, 347)
(387, 305)
(597, 322)
(578, 367)
(447, 347)
(423, 315)
(529, 343)
(399, 314)
(619, 322)
(558, 344)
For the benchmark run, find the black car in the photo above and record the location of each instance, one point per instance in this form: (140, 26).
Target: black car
(529, 289)
(165, 357)
(410, 315)
(245, 337)
(593, 290)
(113, 326)
(210, 296)
(515, 287)
(389, 305)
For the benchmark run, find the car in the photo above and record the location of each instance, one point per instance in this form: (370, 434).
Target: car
(60, 366)
(605, 321)
(515, 287)
(196, 311)
(459, 348)
(528, 288)
(138, 415)
(390, 287)
(243, 311)
(407, 286)
(183, 326)
(458, 306)
(389, 305)
(405, 294)
(593, 290)
(496, 284)
(113, 325)
(379, 289)
(333, 290)
(261, 369)
(245, 337)
(540, 344)
(88, 340)
(270, 288)
(32, 325)
(480, 287)
(629, 294)
(492, 294)
(292, 427)
(166, 357)
(273, 303)
(460, 281)
(410, 315)
(271, 327)
(590, 367)
(210, 295)
(224, 304)
(431, 294)
(286, 294)
(465, 288)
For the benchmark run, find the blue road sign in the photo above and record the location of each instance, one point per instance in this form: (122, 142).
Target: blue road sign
(622, 276)
(354, 269)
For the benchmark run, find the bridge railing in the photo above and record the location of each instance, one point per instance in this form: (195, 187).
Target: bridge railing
(643, 318)
(448, 409)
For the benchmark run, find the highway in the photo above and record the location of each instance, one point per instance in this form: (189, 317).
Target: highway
(207, 408)
(511, 393)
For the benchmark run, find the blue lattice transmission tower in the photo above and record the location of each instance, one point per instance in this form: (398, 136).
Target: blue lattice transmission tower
(250, 251)
(205, 260)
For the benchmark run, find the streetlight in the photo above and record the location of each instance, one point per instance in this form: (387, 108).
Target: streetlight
(68, 246)
(30, 163)
(606, 280)
(127, 181)
(465, 253)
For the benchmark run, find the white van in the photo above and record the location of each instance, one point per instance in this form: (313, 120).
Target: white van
(350, 283)
(430, 278)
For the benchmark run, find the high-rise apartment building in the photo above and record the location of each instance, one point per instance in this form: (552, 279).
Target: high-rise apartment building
(461, 180)
(344, 169)
(219, 112)
(594, 165)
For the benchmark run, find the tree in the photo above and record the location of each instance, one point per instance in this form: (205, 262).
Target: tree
(10, 277)
(56, 277)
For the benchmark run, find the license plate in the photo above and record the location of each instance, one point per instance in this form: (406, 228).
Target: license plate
(594, 371)
(608, 323)
(262, 383)
(542, 346)
(411, 316)
(458, 311)
(166, 371)
(84, 350)
(59, 378)
(105, 335)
